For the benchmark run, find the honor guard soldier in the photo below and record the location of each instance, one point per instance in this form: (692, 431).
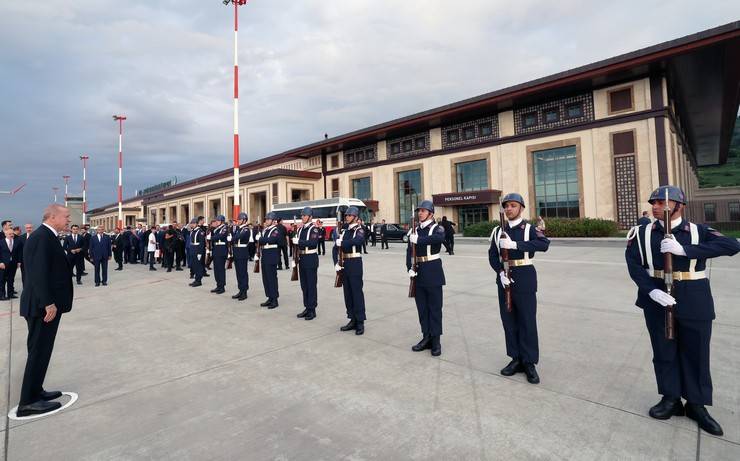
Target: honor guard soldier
(306, 242)
(220, 237)
(520, 240)
(198, 250)
(681, 363)
(428, 238)
(240, 249)
(269, 249)
(350, 242)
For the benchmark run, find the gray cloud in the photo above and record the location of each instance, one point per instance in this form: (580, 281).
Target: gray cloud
(307, 67)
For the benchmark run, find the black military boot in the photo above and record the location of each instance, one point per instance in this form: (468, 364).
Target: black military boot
(237, 296)
(436, 346)
(302, 314)
(266, 303)
(310, 315)
(350, 326)
(425, 343)
(219, 290)
(700, 414)
(195, 284)
(273, 304)
(666, 408)
(514, 367)
(360, 328)
(531, 372)
(243, 296)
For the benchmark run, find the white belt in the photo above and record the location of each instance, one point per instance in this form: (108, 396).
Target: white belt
(241, 245)
(678, 276)
(423, 259)
(219, 243)
(309, 252)
(352, 255)
(269, 246)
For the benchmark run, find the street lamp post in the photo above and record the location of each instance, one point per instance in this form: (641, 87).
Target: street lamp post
(237, 198)
(84, 159)
(66, 188)
(120, 119)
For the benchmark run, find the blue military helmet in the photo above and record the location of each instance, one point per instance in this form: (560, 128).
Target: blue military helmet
(242, 216)
(352, 211)
(221, 218)
(513, 197)
(194, 221)
(426, 205)
(271, 215)
(674, 193)
(307, 211)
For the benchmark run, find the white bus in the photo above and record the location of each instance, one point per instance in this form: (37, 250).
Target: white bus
(327, 210)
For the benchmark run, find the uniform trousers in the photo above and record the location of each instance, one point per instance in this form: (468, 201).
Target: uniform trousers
(40, 344)
(270, 280)
(520, 325)
(309, 283)
(429, 307)
(242, 273)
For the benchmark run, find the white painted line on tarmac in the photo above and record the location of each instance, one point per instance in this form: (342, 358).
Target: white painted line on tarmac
(72, 399)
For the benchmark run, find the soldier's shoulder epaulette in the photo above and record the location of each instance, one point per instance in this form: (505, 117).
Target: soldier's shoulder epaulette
(493, 232)
(632, 233)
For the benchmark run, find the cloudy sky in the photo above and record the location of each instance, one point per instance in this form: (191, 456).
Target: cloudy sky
(307, 67)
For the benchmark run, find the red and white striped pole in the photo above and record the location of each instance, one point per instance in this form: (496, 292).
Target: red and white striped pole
(237, 198)
(84, 159)
(66, 189)
(120, 119)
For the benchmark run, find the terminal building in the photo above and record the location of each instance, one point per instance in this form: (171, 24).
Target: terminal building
(587, 142)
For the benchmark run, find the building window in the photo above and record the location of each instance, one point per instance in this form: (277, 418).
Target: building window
(620, 100)
(409, 192)
(453, 136)
(361, 188)
(369, 154)
(396, 148)
(469, 133)
(485, 129)
(359, 156)
(408, 146)
(335, 187)
(734, 209)
(420, 143)
(623, 143)
(710, 212)
(556, 182)
(335, 161)
(551, 115)
(351, 158)
(472, 175)
(472, 214)
(574, 110)
(529, 120)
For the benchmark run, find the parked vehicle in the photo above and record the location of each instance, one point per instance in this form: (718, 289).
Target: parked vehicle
(393, 231)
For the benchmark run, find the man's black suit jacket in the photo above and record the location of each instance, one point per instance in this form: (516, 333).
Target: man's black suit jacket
(48, 275)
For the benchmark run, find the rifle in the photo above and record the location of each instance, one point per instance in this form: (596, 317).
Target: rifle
(670, 325)
(414, 266)
(505, 261)
(209, 247)
(259, 254)
(230, 249)
(339, 279)
(294, 275)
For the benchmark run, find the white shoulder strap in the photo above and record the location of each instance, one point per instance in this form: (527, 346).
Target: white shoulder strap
(495, 235)
(527, 228)
(649, 247)
(694, 229)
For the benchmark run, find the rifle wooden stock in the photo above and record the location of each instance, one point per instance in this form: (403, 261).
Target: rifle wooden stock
(230, 260)
(339, 279)
(294, 275)
(670, 321)
(505, 261)
(259, 259)
(414, 266)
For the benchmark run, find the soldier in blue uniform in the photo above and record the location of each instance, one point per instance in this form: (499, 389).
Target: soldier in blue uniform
(430, 277)
(307, 242)
(522, 239)
(198, 251)
(350, 240)
(219, 237)
(269, 240)
(240, 249)
(681, 364)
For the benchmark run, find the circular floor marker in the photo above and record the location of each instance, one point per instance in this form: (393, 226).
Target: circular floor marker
(72, 399)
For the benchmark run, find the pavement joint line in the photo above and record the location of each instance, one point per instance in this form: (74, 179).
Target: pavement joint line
(7, 405)
(698, 443)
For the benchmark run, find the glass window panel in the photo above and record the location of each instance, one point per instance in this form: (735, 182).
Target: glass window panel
(556, 187)
(395, 147)
(350, 158)
(409, 190)
(360, 156)
(469, 133)
(407, 146)
(485, 129)
(361, 188)
(453, 136)
(369, 153)
(420, 143)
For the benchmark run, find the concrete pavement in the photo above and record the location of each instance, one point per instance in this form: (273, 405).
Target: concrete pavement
(165, 371)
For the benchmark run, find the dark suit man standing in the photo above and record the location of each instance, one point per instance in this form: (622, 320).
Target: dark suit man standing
(85, 234)
(47, 294)
(383, 236)
(23, 238)
(100, 251)
(10, 255)
(118, 248)
(644, 219)
(74, 246)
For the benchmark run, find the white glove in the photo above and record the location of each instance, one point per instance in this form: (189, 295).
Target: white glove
(412, 273)
(199, 256)
(505, 281)
(258, 236)
(295, 240)
(413, 238)
(662, 298)
(256, 258)
(228, 238)
(507, 244)
(208, 237)
(670, 245)
(338, 242)
(337, 267)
